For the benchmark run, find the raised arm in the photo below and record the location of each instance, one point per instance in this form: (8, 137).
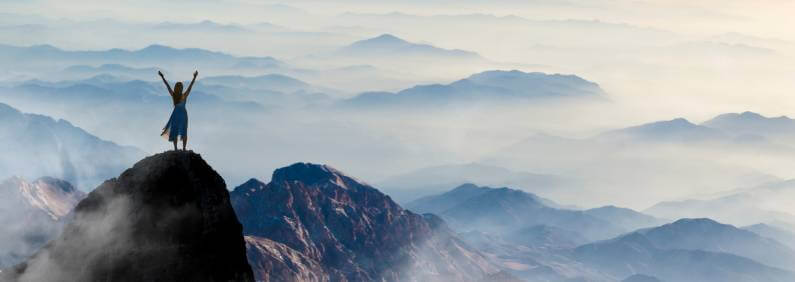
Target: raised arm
(187, 92)
(166, 82)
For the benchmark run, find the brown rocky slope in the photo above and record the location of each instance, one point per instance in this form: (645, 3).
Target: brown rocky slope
(313, 223)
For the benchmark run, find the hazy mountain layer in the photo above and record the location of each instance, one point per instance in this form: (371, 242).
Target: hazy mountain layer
(636, 254)
(504, 210)
(490, 87)
(709, 235)
(38, 146)
(760, 204)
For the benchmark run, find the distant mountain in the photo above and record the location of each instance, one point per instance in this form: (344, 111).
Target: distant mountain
(83, 71)
(750, 123)
(764, 203)
(546, 237)
(277, 97)
(394, 47)
(167, 218)
(671, 159)
(709, 235)
(504, 211)
(749, 130)
(38, 145)
(202, 26)
(439, 179)
(137, 96)
(486, 87)
(676, 130)
(31, 213)
(626, 218)
(336, 228)
(534, 254)
(634, 253)
(47, 57)
(462, 193)
(773, 232)
(274, 82)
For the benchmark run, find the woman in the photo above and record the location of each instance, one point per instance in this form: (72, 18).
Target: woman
(177, 125)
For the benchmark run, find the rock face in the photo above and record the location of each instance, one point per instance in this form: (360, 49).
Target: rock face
(168, 218)
(30, 215)
(313, 223)
(274, 261)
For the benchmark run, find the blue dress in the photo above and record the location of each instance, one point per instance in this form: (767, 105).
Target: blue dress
(177, 125)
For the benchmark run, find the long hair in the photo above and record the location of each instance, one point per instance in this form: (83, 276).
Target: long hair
(177, 96)
(178, 88)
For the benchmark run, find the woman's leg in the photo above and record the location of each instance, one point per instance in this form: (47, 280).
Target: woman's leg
(184, 142)
(175, 144)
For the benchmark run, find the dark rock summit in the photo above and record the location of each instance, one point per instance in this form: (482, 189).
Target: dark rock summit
(313, 223)
(168, 218)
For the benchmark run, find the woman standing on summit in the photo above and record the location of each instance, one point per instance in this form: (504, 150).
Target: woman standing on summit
(177, 125)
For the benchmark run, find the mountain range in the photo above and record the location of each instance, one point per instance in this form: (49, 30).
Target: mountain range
(45, 146)
(750, 123)
(676, 130)
(31, 57)
(779, 234)
(428, 181)
(272, 82)
(548, 244)
(709, 235)
(765, 203)
(666, 253)
(84, 71)
(205, 25)
(493, 87)
(504, 211)
(671, 158)
(390, 46)
(627, 219)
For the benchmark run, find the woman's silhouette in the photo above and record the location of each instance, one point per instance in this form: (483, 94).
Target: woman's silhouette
(177, 125)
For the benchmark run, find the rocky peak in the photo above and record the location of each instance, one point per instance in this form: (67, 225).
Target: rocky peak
(312, 174)
(168, 218)
(313, 215)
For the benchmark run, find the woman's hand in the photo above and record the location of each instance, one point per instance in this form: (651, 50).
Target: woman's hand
(195, 73)
(160, 73)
